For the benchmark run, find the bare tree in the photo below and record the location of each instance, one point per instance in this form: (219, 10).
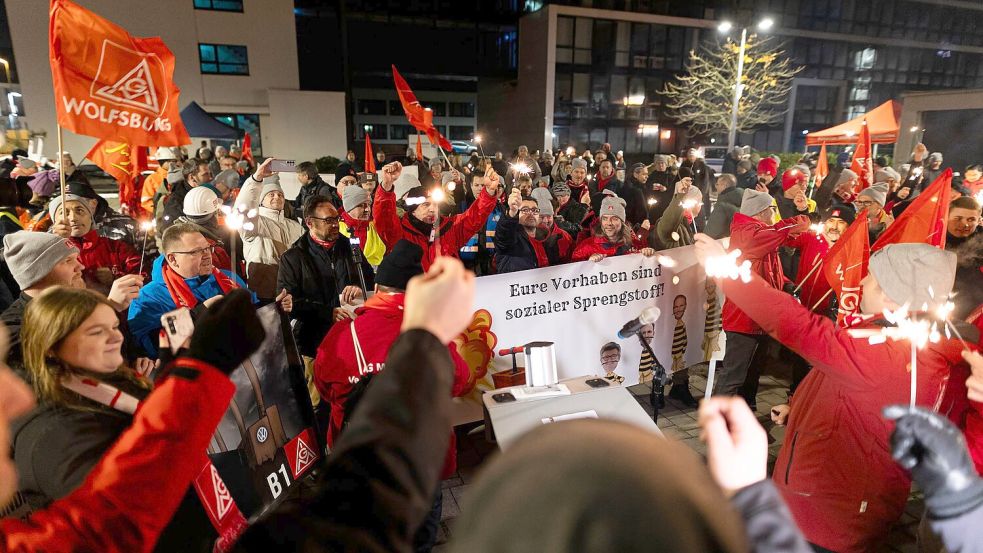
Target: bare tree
(703, 96)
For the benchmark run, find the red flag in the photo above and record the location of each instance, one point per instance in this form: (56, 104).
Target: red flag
(846, 265)
(369, 158)
(125, 163)
(247, 149)
(421, 118)
(419, 148)
(924, 220)
(862, 163)
(822, 167)
(109, 84)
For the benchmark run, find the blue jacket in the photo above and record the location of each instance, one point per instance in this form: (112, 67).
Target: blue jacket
(154, 300)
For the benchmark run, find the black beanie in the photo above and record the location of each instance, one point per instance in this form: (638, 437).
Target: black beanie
(842, 211)
(415, 193)
(400, 265)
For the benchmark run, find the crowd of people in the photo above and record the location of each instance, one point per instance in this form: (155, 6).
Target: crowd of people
(377, 276)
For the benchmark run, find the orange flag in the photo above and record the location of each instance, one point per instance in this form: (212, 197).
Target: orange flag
(109, 84)
(924, 220)
(125, 163)
(822, 167)
(862, 163)
(247, 149)
(846, 265)
(418, 116)
(369, 158)
(419, 148)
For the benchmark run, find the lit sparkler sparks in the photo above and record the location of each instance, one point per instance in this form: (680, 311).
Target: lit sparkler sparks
(653, 201)
(726, 266)
(817, 228)
(146, 226)
(437, 195)
(520, 168)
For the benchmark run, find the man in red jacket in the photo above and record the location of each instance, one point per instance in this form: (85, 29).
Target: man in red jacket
(835, 469)
(104, 259)
(355, 348)
(752, 232)
(417, 224)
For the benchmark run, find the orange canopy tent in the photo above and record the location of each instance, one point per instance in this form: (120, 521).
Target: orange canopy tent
(882, 122)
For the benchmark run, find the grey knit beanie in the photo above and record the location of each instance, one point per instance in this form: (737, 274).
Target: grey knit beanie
(754, 202)
(846, 176)
(32, 255)
(541, 194)
(878, 193)
(354, 196)
(914, 274)
(55, 204)
(613, 205)
(561, 189)
(885, 174)
(545, 207)
(270, 184)
(578, 162)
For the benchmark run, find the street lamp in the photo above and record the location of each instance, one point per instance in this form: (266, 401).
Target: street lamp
(724, 28)
(6, 68)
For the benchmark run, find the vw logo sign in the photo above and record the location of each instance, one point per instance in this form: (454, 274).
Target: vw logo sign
(262, 434)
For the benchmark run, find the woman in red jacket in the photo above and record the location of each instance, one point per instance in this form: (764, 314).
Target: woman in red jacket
(610, 235)
(121, 505)
(104, 259)
(835, 469)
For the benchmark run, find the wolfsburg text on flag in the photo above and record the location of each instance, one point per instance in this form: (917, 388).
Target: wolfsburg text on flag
(109, 84)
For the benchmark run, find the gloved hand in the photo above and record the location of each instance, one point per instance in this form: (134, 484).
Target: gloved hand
(227, 333)
(934, 450)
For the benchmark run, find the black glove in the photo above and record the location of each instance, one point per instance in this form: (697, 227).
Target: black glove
(934, 450)
(227, 333)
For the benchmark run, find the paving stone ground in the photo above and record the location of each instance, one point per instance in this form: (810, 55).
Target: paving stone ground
(677, 423)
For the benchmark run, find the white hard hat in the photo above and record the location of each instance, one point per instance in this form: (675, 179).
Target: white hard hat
(167, 153)
(201, 201)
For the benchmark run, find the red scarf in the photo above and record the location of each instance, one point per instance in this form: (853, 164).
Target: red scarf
(181, 292)
(537, 246)
(324, 244)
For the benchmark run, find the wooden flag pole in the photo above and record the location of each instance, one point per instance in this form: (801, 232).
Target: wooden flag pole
(61, 177)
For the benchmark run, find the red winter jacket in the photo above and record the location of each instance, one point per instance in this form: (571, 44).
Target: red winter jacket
(98, 251)
(759, 244)
(455, 231)
(813, 249)
(336, 369)
(835, 469)
(122, 506)
(600, 244)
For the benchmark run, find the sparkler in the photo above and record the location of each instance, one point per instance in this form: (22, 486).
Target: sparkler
(726, 266)
(653, 201)
(146, 226)
(817, 228)
(437, 196)
(521, 168)
(235, 219)
(688, 205)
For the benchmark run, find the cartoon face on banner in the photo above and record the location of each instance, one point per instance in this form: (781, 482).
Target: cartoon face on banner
(582, 306)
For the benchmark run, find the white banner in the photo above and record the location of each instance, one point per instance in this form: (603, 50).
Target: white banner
(582, 306)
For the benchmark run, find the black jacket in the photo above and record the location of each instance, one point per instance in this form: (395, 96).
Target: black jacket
(666, 178)
(635, 206)
(315, 188)
(173, 205)
(728, 204)
(513, 250)
(378, 484)
(315, 277)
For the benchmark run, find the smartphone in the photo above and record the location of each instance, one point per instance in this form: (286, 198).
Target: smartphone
(284, 165)
(178, 327)
(597, 383)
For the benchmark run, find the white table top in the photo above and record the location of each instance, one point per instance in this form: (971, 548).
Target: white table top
(614, 402)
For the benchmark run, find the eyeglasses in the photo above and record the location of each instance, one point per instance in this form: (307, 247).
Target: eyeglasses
(327, 220)
(528, 210)
(863, 203)
(199, 252)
